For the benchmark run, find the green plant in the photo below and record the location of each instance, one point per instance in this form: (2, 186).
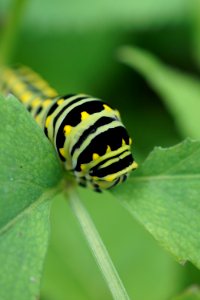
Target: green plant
(163, 194)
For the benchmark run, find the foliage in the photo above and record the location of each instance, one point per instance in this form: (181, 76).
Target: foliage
(164, 196)
(73, 45)
(24, 204)
(180, 92)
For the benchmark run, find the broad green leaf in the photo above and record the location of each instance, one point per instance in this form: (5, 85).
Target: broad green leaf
(192, 293)
(64, 15)
(179, 91)
(163, 195)
(29, 168)
(22, 251)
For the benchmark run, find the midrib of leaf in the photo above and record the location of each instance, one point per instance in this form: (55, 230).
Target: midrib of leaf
(50, 194)
(165, 177)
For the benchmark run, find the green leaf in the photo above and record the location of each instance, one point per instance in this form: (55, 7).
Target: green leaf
(65, 16)
(192, 293)
(22, 252)
(180, 92)
(29, 168)
(163, 195)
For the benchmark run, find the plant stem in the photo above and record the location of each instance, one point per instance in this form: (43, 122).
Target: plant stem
(10, 32)
(97, 247)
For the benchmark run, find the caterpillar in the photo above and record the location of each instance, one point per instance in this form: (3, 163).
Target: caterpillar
(87, 133)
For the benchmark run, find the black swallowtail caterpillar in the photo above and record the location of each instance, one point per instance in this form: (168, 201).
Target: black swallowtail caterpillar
(87, 133)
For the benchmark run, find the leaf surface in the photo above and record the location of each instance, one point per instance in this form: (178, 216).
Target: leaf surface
(29, 171)
(163, 195)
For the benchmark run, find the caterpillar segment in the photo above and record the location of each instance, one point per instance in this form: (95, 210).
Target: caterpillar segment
(88, 134)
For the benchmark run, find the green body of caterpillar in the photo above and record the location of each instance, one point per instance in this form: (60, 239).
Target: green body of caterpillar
(87, 133)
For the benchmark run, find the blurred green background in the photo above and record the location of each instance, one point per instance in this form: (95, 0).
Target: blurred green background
(74, 44)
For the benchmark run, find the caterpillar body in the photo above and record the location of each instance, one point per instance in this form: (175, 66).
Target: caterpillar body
(87, 133)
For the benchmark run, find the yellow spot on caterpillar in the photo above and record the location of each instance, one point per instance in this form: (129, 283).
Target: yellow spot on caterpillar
(67, 129)
(123, 142)
(46, 102)
(106, 107)
(130, 141)
(36, 102)
(108, 149)
(26, 96)
(60, 101)
(48, 119)
(95, 156)
(110, 178)
(50, 92)
(84, 115)
(62, 151)
(37, 119)
(134, 165)
(19, 87)
(39, 83)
